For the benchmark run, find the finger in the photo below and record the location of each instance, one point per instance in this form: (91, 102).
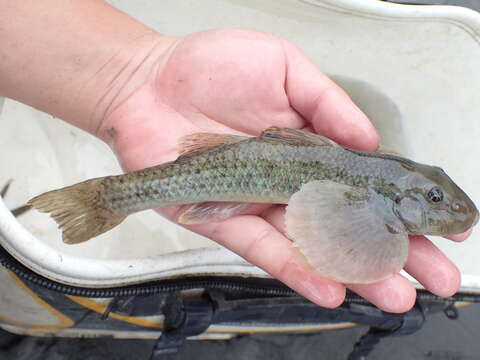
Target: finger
(432, 268)
(320, 101)
(395, 294)
(265, 247)
(459, 237)
(275, 215)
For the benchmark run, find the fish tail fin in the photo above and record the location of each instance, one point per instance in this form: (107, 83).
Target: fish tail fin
(79, 210)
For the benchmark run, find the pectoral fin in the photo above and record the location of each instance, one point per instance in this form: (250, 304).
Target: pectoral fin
(212, 211)
(348, 234)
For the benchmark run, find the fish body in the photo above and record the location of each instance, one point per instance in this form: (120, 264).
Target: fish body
(222, 170)
(269, 170)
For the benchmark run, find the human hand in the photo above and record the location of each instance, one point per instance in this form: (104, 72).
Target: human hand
(241, 82)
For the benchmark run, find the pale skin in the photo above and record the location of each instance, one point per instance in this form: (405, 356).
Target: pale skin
(140, 91)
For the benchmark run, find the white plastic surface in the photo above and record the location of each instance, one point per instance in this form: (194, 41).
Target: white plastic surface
(414, 71)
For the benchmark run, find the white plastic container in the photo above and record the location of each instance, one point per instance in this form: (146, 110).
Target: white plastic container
(412, 69)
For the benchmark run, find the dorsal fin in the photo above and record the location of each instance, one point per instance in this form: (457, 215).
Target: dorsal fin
(295, 136)
(201, 141)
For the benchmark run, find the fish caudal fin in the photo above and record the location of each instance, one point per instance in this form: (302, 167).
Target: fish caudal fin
(79, 210)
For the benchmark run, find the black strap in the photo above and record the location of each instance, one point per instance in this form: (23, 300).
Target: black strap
(412, 322)
(184, 317)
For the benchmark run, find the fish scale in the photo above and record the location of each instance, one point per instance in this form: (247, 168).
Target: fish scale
(270, 168)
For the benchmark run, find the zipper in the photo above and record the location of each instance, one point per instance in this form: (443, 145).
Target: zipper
(253, 286)
(258, 286)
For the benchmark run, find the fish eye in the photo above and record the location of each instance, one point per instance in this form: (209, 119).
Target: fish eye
(435, 195)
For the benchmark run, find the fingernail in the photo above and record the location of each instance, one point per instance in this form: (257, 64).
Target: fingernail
(324, 292)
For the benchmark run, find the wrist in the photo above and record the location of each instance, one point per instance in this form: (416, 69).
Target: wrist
(114, 79)
(72, 59)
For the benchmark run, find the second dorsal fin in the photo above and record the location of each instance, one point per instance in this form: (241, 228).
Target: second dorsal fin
(296, 136)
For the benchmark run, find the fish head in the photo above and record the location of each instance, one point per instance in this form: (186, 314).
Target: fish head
(430, 203)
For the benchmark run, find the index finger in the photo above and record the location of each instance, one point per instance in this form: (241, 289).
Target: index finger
(325, 105)
(266, 247)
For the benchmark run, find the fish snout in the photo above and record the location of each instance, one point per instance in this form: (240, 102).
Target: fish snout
(475, 219)
(465, 216)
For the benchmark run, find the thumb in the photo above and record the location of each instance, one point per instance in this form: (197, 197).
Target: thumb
(323, 104)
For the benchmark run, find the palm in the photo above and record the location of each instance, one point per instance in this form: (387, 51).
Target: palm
(240, 82)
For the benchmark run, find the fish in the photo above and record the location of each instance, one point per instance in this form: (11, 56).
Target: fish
(349, 213)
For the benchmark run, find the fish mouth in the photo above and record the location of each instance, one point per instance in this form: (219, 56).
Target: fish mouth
(458, 226)
(475, 222)
(447, 222)
(474, 210)
(442, 222)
